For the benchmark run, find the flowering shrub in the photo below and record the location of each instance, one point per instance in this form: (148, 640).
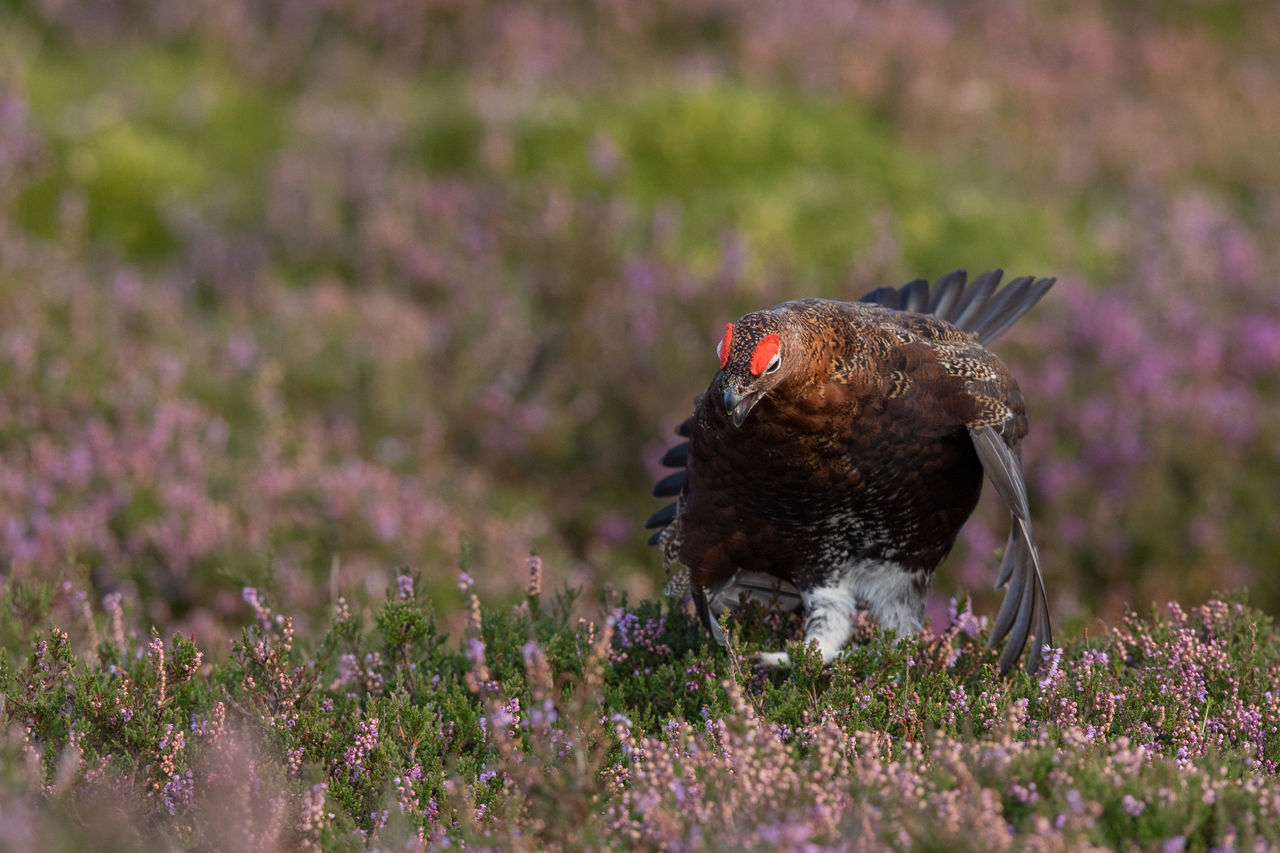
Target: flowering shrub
(538, 729)
(301, 302)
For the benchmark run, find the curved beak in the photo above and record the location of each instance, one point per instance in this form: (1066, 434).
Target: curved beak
(739, 405)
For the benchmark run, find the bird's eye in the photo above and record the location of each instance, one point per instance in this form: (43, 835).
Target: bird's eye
(766, 358)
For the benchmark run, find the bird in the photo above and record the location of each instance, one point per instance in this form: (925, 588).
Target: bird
(838, 451)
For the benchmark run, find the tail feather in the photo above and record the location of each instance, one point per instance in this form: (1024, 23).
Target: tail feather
(1002, 303)
(677, 456)
(946, 292)
(915, 295)
(669, 486)
(980, 307)
(975, 298)
(889, 297)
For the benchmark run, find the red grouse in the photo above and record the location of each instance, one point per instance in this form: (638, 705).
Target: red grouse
(839, 450)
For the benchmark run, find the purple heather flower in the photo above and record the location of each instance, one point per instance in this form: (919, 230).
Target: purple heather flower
(178, 790)
(964, 620)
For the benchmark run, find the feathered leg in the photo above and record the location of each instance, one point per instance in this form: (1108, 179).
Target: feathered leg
(830, 622)
(895, 597)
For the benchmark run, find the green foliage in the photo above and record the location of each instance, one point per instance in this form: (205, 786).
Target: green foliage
(797, 177)
(141, 134)
(439, 271)
(538, 722)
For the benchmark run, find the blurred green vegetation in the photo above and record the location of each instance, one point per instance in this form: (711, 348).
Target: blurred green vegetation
(138, 129)
(141, 133)
(799, 177)
(445, 274)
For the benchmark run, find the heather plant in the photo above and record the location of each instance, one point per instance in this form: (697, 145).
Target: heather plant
(536, 727)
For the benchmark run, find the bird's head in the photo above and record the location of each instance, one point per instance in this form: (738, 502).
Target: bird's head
(756, 354)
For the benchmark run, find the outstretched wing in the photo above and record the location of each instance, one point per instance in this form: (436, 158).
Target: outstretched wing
(1025, 599)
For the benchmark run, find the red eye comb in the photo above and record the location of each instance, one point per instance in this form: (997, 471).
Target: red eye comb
(765, 351)
(722, 348)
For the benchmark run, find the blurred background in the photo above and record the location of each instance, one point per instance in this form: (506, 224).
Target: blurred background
(294, 294)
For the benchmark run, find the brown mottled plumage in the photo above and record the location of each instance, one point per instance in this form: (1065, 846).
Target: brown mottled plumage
(840, 449)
